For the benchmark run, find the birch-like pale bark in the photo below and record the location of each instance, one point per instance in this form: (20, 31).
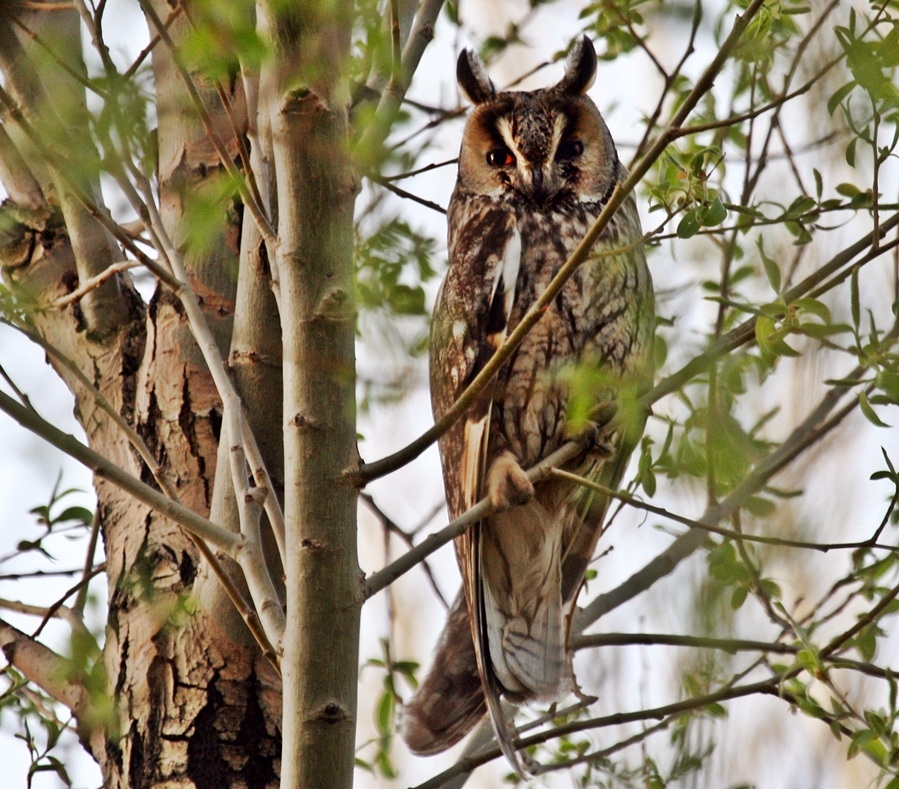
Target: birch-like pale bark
(307, 111)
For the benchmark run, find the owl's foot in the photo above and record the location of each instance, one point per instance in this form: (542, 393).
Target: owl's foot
(507, 484)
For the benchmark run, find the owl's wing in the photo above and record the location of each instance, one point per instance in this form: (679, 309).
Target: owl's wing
(471, 323)
(473, 469)
(450, 701)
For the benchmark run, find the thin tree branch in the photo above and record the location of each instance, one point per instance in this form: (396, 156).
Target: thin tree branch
(745, 332)
(617, 719)
(406, 195)
(391, 527)
(392, 98)
(85, 286)
(733, 534)
(42, 666)
(195, 524)
(808, 432)
(386, 576)
(234, 594)
(731, 645)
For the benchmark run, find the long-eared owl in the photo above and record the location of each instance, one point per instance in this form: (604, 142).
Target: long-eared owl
(535, 170)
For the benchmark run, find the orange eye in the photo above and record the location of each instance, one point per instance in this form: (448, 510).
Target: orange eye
(500, 157)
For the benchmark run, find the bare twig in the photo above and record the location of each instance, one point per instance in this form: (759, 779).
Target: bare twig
(391, 526)
(195, 524)
(85, 286)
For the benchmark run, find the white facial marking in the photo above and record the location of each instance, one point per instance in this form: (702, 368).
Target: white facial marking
(504, 127)
(558, 128)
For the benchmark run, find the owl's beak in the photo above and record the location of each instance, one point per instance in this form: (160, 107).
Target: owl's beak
(535, 187)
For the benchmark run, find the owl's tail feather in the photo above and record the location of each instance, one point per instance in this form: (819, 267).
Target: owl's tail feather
(450, 701)
(522, 612)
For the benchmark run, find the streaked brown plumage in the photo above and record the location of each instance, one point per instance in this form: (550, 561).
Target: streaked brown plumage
(535, 170)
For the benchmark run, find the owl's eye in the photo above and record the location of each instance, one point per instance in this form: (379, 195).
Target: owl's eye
(569, 149)
(500, 157)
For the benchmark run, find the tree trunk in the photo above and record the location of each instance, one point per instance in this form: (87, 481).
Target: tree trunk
(185, 697)
(315, 196)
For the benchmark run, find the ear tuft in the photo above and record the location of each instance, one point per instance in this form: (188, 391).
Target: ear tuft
(580, 68)
(472, 76)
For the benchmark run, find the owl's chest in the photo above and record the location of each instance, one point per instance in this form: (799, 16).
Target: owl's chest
(546, 244)
(531, 399)
(595, 319)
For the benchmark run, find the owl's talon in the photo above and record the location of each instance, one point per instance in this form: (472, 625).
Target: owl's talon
(507, 484)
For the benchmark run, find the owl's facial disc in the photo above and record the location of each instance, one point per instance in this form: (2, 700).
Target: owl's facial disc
(538, 165)
(541, 150)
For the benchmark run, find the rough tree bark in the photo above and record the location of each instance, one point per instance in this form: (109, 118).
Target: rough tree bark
(193, 699)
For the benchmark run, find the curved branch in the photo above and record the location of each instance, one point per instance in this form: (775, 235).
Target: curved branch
(386, 576)
(195, 524)
(42, 666)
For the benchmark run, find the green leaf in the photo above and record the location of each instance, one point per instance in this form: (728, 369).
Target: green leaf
(764, 328)
(738, 597)
(716, 214)
(848, 190)
(853, 298)
(836, 731)
(770, 587)
(772, 270)
(869, 412)
(820, 331)
(813, 306)
(760, 507)
(77, 514)
(850, 152)
(385, 765)
(866, 642)
(888, 383)
(384, 715)
(819, 182)
(690, 224)
(648, 483)
(837, 98)
(809, 661)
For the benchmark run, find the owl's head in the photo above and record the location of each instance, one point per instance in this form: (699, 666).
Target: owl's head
(542, 148)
